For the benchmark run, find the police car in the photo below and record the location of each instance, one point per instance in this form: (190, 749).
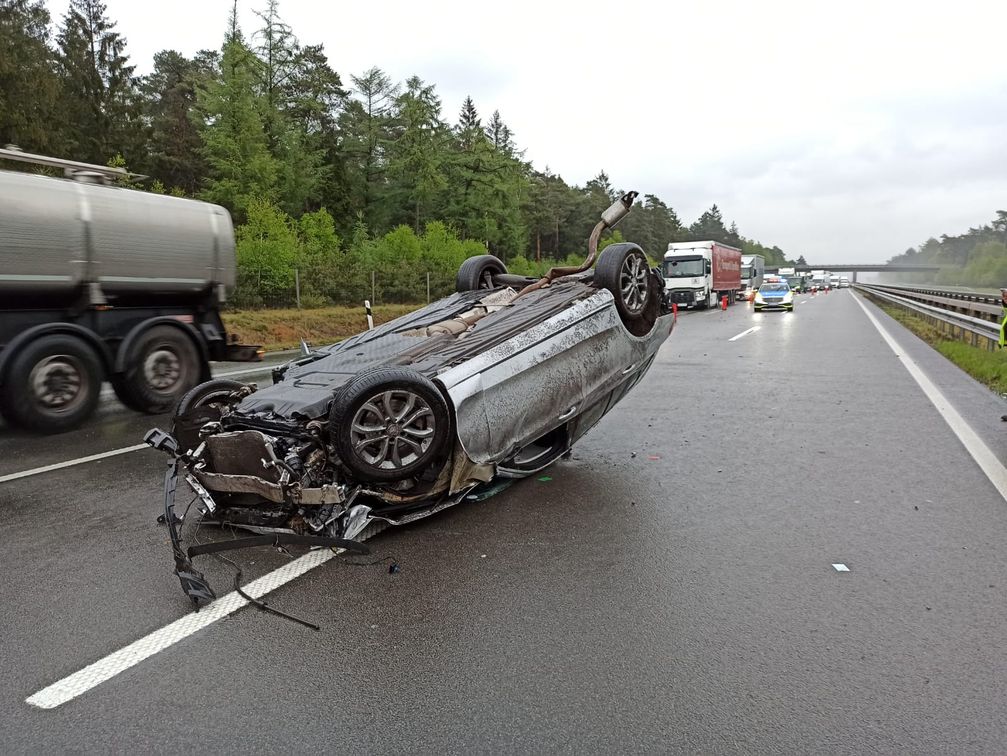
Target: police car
(774, 294)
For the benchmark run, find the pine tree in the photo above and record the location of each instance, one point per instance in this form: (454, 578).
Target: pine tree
(487, 187)
(169, 94)
(28, 83)
(500, 134)
(417, 153)
(99, 99)
(235, 145)
(709, 225)
(300, 158)
(365, 125)
(469, 116)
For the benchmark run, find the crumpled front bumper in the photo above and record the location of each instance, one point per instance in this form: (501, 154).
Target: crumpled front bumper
(194, 583)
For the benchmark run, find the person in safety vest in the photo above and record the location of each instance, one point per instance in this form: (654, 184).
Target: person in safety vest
(1003, 322)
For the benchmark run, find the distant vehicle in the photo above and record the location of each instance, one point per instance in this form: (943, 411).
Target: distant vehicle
(103, 283)
(774, 296)
(844, 282)
(797, 284)
(753, 270)
(698, 274)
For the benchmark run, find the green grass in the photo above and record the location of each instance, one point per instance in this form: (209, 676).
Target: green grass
(989, 368)
(283, 329)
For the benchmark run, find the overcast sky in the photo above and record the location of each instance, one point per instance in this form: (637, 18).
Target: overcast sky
(841, 130)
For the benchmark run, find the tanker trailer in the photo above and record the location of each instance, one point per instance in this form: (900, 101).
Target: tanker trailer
(101, 282)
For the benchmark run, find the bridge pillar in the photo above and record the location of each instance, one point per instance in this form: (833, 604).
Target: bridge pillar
(854, 276)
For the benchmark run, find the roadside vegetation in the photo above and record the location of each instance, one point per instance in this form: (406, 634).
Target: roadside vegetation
(989, 368)
(977, 258)
(284, 328)
(357, 182)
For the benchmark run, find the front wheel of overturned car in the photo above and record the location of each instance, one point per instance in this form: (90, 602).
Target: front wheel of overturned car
(623, 270)
(201, 405)
(389, 424)
(477, 273)
(52, 385)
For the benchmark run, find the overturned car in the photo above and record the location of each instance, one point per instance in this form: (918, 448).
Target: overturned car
(495, 381)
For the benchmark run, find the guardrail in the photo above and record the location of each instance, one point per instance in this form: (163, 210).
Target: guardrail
(932, 306)
(964, 295)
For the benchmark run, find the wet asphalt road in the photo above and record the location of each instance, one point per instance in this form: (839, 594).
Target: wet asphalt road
(669, 589)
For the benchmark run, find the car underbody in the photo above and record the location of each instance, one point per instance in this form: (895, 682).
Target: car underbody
(412, 417)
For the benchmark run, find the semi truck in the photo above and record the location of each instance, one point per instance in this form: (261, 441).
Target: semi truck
(699, 274)
(101, 282)
(753, 271)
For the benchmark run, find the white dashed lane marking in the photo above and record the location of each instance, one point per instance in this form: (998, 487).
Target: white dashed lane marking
(71, 463)
(745, 333)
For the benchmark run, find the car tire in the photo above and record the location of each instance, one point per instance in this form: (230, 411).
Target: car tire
(477, 273)
(623, 269)
(162, 365)
(52, 384)
(200, 405)
(389, 424)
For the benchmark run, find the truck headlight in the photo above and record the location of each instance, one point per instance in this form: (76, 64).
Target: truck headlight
(700, 294)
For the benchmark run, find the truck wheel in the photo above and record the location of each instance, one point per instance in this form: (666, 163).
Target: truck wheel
(623, 270)
(389, 424)
(162, 365)
(53, 384)
(477, 273)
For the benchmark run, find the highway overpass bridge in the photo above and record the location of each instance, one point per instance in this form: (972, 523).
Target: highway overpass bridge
(863, 268)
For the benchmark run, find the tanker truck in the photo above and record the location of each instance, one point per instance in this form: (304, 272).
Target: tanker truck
(106, 283)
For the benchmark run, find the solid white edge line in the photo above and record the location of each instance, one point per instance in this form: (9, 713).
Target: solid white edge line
(71, 463)
(975, 446)
(745, 333)
(119, 661)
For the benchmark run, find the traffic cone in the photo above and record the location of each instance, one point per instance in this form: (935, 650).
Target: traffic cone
(723, 303)
(674, 309)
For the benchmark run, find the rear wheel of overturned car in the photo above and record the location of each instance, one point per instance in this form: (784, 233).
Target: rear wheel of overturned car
(161, 366)
(623, 270)
(477, 273)
(389, 424)
(52, 384)
(201, 405)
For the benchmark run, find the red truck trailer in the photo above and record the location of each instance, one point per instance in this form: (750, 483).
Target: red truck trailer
(699, 274)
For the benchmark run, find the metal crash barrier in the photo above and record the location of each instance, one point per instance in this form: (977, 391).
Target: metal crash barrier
(933, 306)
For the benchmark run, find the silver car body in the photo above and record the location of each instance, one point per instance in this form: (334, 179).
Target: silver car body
(519, 390)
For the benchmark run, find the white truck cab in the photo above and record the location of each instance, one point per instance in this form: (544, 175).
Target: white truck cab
(699, 274)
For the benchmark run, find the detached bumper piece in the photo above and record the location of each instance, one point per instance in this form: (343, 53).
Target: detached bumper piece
(194, 583)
